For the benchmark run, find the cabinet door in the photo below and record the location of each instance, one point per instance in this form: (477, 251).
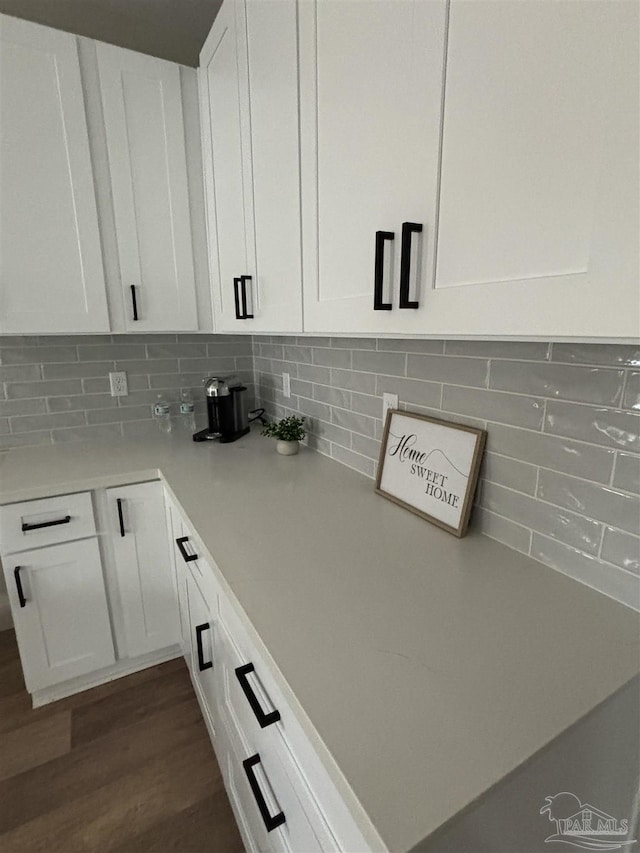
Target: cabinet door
(51, 271)
(145, 131)
(60, 612)
(370, 90)
(203, 650)
(249, 107)
(146, 581)
(538, 225)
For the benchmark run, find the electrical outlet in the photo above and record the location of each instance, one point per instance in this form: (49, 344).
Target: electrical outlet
(389, 401)
(118, 382)
(286, 384)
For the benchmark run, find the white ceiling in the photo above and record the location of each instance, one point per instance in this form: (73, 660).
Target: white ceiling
(172, 29)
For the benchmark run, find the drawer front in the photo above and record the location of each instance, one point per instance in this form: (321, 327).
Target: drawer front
(189, 558)
(32, 524)
(256, 721)
(272, 812)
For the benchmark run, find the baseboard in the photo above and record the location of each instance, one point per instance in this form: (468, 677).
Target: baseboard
(103, 676)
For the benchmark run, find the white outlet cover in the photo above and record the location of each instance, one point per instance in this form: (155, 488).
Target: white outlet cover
(286, 384)
(389, 401)
(118, 383)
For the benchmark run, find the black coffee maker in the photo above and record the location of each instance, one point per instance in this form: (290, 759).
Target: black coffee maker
(227, 414)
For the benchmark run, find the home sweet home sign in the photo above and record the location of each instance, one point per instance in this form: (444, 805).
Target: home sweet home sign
(430, 467)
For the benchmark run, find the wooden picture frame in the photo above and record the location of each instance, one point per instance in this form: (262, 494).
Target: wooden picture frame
(441, 492)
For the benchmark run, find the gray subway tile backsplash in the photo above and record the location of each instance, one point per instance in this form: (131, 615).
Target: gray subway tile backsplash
(627, 473)
(598, 385)
(515, 409)
(561, 475)
(609, 427)
(56, 389)
(455, 371)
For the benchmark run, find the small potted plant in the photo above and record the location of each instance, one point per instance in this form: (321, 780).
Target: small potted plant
(288, 432)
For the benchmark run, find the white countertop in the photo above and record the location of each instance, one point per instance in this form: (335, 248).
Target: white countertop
(424, 668)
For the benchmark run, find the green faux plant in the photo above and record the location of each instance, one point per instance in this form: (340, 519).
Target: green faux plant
(288, 429)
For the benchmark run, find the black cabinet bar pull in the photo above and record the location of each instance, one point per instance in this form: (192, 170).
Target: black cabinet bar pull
(264, 719)
(27, 527)
(16, 575)
(134, 302)
(120, 517)
(202, 664)
(270, 821)
(243, 281)
(236, 296)
(408, 228)
(188, 558)
(378, 304)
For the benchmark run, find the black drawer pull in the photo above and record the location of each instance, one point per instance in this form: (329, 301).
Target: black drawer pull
(27, 527)
(378, 304)
(120, 517)
(264, 719)
(202, 664)
(134, 302)
(188, 558)
(408, 228)
(16, 576)
(243, 282)
(270, 821)
(236, 297)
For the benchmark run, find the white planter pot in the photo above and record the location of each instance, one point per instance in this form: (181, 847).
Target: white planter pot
(287, 448)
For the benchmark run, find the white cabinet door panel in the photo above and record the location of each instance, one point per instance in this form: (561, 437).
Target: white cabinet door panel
(63, 629)
(51, 270)
(229, 219)
(146, 140)
(143, 565)
(538, 227)
(249, 106)
(203, 648)
(371, 90)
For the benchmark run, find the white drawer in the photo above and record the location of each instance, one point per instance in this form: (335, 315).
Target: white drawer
(188, 550)
(258, 725)
(31, 524)
(271, 807)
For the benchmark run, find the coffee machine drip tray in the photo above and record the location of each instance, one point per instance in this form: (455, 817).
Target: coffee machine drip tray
(207, 435)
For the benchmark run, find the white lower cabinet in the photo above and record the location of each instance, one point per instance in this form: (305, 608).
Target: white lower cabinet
(60, 612)
(146, 581)
(92, 587)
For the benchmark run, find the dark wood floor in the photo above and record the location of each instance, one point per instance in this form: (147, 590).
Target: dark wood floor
(127, 766)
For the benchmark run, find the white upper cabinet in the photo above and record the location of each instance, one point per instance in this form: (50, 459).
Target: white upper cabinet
(507, 132)
(145, 131)
(249, 114)
(538, 223)
(371, 90)
(51, 270)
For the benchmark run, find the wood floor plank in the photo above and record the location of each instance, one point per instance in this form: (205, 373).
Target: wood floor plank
(16, 709)
(103, 819)
(95, 719)
(97, 763)
(126, 766)
(206, 826)
(35, 744)
(11, 680)
(8, 646)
